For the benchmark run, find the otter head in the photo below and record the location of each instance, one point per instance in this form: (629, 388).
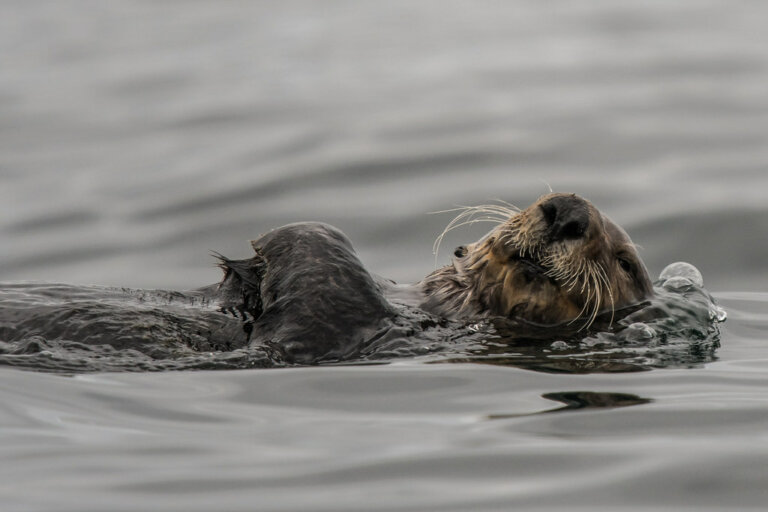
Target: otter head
(558, 261)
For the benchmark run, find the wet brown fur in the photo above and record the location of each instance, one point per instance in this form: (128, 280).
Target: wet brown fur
(518, 271)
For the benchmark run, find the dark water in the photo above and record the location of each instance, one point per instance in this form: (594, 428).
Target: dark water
(136, 137)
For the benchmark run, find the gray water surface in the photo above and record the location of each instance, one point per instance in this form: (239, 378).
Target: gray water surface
(136, 137)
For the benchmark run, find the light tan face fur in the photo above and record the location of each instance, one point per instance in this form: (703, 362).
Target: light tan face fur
(522, 270)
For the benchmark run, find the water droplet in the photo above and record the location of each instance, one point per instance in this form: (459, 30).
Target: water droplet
(639, 331)
(678, 284)
(717, 313)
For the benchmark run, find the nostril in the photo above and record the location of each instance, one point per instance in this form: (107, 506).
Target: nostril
(573, 229)
(550, 212)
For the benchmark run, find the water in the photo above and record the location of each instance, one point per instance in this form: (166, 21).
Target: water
(137, 137)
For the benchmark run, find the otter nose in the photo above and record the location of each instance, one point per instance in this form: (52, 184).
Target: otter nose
(566, 216)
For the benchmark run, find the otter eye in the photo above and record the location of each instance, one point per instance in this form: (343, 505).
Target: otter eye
(625, 265)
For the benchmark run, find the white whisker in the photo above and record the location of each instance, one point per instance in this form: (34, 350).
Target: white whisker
(497, 214)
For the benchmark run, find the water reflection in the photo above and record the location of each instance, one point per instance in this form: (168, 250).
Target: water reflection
(575, 400)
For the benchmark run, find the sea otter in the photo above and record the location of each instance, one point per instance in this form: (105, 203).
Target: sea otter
(305, 297)
(560, 261)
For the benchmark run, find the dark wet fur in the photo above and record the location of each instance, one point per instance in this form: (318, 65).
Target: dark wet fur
(305, 294)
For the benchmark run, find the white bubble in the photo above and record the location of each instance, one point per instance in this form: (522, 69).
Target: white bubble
(559, 345)
(477, 327)
(682, 269)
